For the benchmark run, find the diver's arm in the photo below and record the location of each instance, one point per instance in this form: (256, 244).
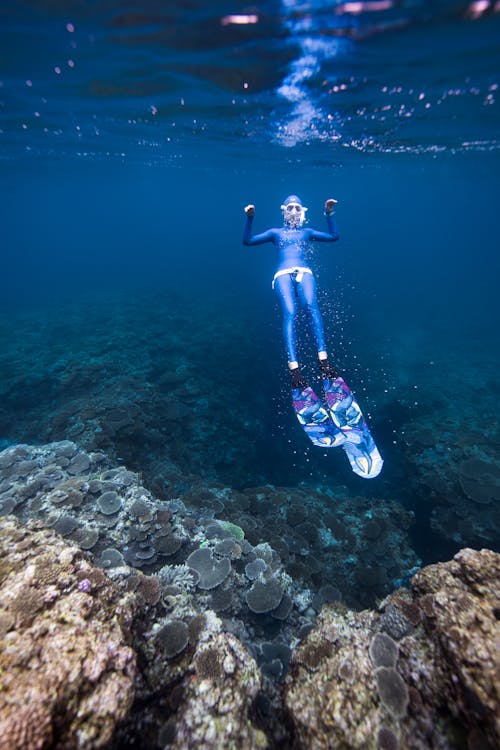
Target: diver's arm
(333, 233)
(255, 239)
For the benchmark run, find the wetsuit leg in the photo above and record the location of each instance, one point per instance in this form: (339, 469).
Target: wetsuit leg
(284, 287)
(307, 291)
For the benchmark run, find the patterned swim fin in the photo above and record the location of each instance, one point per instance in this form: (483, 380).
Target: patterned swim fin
(315, 419)
(347, 416)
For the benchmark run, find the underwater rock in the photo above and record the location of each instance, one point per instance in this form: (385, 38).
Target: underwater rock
(67, 669)
(439, 685)
(7, 505)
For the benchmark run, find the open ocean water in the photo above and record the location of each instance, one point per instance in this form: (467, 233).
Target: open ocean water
(134, 321)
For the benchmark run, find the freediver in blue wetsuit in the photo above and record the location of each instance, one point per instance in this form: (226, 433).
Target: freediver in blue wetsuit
(294, 280)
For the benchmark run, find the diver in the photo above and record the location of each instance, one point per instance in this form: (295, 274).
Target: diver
(294, 281)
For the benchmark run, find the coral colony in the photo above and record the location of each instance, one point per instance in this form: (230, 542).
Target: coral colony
(167, 590)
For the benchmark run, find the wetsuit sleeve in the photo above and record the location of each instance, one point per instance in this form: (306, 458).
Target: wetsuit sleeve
(255, 239)
(331, 236)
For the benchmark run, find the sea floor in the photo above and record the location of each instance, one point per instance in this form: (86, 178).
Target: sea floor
(192, 398)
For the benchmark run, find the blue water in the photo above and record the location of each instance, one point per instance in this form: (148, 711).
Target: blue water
(131, 138)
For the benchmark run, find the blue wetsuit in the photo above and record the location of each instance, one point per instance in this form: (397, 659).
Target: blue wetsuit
(295, 287)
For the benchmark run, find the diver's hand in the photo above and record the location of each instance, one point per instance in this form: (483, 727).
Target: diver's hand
(250, 210)
(330, 206)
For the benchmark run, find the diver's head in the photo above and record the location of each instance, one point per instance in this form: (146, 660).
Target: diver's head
(294, 213)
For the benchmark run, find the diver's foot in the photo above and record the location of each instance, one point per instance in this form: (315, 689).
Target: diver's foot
(297, 379)
(328, 372)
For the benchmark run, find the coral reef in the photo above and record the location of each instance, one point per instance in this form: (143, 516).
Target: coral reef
(156, 385)
(451, 450)
(67, 669)
(351, 685)
(250, 554)
(137, 379)
(144, 662)
(208, 691)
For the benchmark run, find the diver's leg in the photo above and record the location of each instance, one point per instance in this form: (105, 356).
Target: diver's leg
(286, 295)
(284, 289)
(307, 289)
(308, 293)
